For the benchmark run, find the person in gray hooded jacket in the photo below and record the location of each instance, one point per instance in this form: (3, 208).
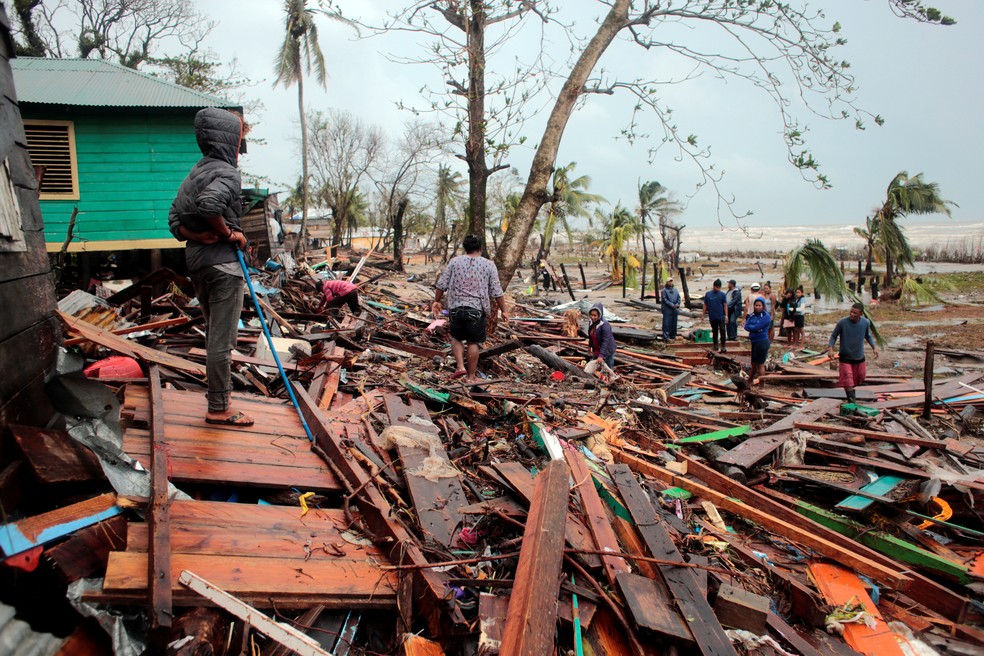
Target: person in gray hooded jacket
(206, 213)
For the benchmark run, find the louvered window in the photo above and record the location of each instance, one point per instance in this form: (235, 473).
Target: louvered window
(52, 146)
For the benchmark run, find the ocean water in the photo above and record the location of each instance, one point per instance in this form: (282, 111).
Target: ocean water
(715, 239)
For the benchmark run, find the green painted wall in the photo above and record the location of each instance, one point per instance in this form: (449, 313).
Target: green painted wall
(130, 164)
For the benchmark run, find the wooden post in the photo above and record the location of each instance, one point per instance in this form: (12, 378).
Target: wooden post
(657, 278)
(642, 286)
(928, 379)
(146, 299)
(685, 286)
(160, 531)
(624, 277)
(584, 280)
(567, 281)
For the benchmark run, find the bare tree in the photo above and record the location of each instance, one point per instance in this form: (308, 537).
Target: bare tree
(342, 150)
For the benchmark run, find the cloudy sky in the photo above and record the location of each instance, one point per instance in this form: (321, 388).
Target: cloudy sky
(924, 80)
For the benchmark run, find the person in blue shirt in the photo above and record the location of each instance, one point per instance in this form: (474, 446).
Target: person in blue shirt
(716, 310)
(670, 305)
(757, 324)
(853, 330)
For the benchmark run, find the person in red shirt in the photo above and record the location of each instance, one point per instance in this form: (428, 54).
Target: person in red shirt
(337, 293)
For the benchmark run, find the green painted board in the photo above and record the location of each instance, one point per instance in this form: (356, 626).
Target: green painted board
(715, 436)
(881, 487)
(885, 543)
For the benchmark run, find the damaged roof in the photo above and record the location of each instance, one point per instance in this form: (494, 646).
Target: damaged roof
(100, 83)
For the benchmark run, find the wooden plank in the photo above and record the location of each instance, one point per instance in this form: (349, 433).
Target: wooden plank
(30, 532)
(415, 645)
(577, 535)
(690, 417)
(159, 562)
(132, 349)
(435, 503)
(429, 586)
(492, 611)
(333, 376)
(652, 609)
(871, 435)
(597, 516)
(54, 457)
(532, 617)
(415, 349)
(239, 358)
(85, 552)
(678, 381)
(840, 586)
(735, 498)
(288, 636)
(707, 631)
(882, 486)
(155, 325)
(763, 442)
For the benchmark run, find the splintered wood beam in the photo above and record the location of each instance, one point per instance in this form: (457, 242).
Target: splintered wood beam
(705, 627)
(597, 516)
(286, 635)
(811, 534)
(871, 435)
(160, 528)
(532, 617)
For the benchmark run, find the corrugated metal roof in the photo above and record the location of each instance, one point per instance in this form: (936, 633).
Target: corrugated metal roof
(99, 83)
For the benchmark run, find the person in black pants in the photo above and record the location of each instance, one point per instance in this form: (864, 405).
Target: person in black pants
(716, 309)
(734, 309)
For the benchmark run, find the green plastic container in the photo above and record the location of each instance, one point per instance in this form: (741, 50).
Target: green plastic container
(848, 409)
(703, 336)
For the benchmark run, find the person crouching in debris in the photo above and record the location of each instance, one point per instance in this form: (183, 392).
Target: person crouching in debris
(601, 341)
(336, 293)
(471, 282)
(853, 330)
(757, 324)
(207, 214)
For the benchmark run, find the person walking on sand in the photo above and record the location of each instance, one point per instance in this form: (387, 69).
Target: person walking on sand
(733, 300)
(207, 213)
(716, 311)
(471, 283)
(757, 324)
(669, 299)
(601, 341)
(853, 331)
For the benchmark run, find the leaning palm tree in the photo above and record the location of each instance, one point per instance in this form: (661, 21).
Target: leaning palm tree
(654, 201)
(905, 195)
(618, 226)
(300, 54)
(815, 261)
(450, 196)
(869, 233)
(568, 199)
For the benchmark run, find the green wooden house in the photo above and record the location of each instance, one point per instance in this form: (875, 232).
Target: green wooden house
(114, 145)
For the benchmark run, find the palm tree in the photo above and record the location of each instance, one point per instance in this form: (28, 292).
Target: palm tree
(654, 200)
(618, 226)
(298, 55)
(568, 198)
(450, 195)
(905, 195)
(869, 234)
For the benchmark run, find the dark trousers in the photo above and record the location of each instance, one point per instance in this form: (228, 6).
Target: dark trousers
(352, 298)
(221, 298)
(669, 324)
(733, 324)
(717, 329)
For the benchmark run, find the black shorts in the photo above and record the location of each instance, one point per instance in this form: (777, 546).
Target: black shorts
(799, 321)
(760, 351)
(468, 325)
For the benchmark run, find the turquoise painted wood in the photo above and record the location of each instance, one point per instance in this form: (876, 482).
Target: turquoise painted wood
(881, 487)
(130, 164)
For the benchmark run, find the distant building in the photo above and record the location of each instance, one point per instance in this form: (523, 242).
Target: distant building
(114, 143)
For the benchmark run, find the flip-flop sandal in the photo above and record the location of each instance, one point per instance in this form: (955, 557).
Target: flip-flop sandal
(458, 374)
(238, 419)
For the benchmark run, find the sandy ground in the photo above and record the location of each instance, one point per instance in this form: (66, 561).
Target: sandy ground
(957, 325)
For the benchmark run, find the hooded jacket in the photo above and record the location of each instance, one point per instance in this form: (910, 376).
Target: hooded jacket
(212, 188)
(600, 337)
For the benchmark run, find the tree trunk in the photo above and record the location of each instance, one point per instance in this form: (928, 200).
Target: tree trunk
(510, 252)
(398, 234)
(478, 172)
(867, 266)
(301, 246)
(889, 269)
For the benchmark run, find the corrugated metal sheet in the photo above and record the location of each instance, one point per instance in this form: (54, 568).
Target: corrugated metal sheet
(98, 83)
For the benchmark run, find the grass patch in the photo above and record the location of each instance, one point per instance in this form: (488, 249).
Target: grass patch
(964, 282)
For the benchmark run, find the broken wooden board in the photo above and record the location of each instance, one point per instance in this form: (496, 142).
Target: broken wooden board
(840, 586)
(870, 434)
(597, 516)
(30, 532)
(531, 620)
(262, 554)
(880, 487)
(762, 443)
(130, 348)
(435, 503)
(652, 609)
(705, 628)
(160, 607)
(85, 552)
(333, 376)
(54, 457)
(274, 452)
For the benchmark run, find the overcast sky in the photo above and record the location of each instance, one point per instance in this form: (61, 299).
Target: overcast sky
(926, 81)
